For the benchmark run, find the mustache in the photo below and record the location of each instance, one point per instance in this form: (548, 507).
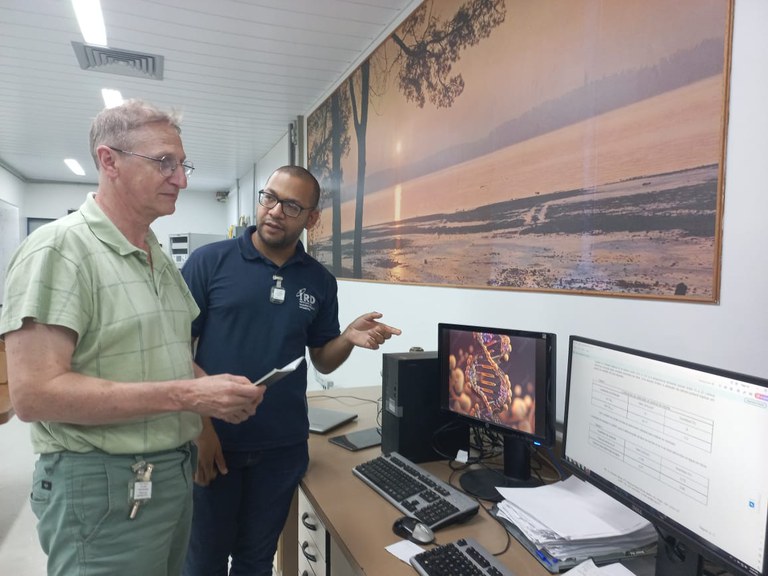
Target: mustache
(273, 222)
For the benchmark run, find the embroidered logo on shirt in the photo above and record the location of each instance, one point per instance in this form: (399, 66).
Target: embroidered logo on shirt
(306, 301)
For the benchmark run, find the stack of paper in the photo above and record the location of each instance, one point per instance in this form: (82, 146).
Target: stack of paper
(572, 520)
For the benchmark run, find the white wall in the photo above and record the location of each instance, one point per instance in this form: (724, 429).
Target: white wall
(242, 196)
(732, 334)
(52, 200)
(272, 160)
(10, 221)
(12, 191)
(11, 188)
(233, 210)
(195, 211)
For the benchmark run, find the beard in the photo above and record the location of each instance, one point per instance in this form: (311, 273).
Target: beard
(277, 239)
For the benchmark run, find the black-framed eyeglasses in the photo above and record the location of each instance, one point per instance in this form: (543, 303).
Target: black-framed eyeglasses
(168, 164)
(290, 208)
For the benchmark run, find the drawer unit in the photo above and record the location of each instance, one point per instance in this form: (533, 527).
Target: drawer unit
(313, 540)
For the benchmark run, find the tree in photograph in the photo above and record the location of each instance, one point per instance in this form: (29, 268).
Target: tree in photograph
(426, 48)
(328, 130)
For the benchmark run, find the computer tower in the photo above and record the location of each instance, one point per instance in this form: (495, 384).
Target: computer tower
(411, 411)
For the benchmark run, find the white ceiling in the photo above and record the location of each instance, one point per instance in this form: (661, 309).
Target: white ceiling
(239, 70)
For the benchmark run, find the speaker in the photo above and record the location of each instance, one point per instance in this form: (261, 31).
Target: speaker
(411, 415)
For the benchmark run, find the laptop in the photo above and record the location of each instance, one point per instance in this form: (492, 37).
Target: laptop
(322, 420)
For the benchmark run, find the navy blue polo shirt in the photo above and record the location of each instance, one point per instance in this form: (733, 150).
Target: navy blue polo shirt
(241, 332)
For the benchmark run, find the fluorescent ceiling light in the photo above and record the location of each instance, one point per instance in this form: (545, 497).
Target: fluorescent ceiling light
(111, 97)
(91, 21)
(74, 165)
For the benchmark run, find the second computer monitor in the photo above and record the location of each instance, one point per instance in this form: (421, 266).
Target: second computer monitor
(681, 443)
(503, 380)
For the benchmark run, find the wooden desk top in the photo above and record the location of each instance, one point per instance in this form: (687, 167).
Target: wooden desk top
(360, 520)
(6, 412)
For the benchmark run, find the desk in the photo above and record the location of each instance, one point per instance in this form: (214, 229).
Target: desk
(5, 404)
(358, 519)
(6, 411)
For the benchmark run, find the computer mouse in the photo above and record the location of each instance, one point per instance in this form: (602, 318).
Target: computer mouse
(413, 530)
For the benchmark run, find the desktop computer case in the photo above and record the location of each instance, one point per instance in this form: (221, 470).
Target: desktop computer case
(411, 411)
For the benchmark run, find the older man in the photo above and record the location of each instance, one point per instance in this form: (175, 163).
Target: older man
(97, 329)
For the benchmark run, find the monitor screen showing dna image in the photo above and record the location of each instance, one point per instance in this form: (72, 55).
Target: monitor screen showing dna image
(501, 380)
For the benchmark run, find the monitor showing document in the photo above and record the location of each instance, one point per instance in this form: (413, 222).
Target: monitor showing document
(681, 443)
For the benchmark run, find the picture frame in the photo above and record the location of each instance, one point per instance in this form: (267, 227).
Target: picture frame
(505, 144)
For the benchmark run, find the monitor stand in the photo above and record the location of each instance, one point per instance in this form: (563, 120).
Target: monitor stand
(482, 482)
(674, 557)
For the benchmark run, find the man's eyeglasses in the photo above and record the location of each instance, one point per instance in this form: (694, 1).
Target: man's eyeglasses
(168, 164)
(290, 208)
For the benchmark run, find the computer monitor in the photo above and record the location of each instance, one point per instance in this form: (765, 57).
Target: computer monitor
(681, 443)
(502, 380)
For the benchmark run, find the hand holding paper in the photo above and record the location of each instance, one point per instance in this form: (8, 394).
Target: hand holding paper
(278, 373)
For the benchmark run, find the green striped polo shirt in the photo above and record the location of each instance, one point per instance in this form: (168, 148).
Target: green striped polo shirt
(133, 323)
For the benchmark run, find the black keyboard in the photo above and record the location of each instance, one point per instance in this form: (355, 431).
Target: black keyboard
(464, 556)
(416, 492)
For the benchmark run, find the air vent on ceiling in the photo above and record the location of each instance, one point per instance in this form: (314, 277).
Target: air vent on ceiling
(115, 61)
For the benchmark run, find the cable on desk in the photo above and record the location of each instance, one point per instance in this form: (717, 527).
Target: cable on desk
(551, 461)
(440, 432)
(346, 396)
(504, 528)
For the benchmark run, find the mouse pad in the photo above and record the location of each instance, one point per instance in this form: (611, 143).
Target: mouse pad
(358, 439)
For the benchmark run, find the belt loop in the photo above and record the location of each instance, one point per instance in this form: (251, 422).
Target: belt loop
(50, 460)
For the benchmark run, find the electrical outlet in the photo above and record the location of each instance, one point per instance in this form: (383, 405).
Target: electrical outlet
(325, 383)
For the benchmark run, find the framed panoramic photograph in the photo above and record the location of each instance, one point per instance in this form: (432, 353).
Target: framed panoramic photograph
(548, 146)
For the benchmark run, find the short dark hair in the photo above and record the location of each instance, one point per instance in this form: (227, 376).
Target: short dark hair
(304, 174)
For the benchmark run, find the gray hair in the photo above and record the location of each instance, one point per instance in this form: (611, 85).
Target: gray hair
(113, 125)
